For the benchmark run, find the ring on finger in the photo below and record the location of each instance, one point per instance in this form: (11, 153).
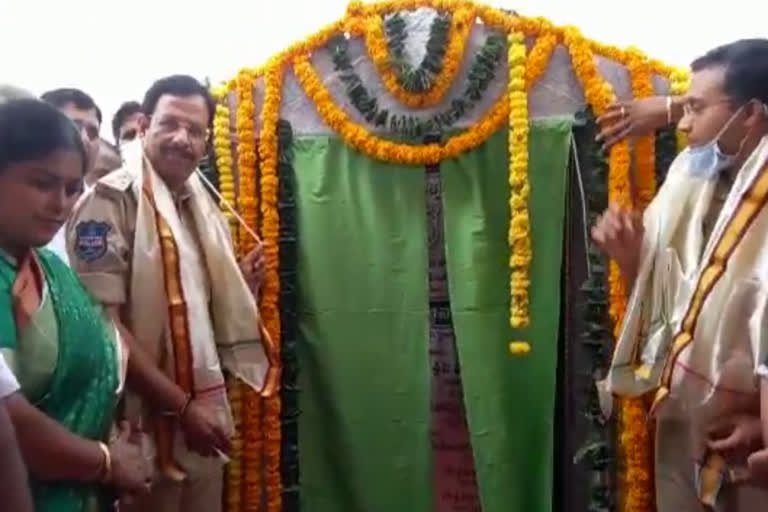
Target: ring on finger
(623, 111)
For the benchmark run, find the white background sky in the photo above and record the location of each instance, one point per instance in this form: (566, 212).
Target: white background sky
(114, 50)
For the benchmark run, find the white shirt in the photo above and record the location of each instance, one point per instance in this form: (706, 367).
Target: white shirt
(8, 383)
(59, 244)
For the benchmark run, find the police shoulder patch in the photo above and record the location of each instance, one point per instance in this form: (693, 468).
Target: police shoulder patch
(91, 240)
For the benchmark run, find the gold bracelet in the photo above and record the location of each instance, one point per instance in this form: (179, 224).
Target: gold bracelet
(669, 110)
(106, 470)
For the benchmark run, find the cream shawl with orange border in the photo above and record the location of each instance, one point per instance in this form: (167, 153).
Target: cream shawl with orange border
(695, 327)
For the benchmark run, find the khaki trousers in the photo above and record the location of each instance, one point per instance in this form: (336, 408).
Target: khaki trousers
(203, 493)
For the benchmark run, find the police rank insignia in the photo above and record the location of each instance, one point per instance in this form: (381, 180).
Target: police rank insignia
(91, 240)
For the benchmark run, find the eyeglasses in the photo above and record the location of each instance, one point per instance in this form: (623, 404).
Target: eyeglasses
(169, 126)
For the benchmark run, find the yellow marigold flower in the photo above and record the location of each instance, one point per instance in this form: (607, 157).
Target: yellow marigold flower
(519, 348)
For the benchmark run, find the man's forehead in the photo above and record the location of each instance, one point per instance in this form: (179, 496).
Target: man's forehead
(131, 122)
(79, 114)
(133, 118)
(182, 106)
(707, 83)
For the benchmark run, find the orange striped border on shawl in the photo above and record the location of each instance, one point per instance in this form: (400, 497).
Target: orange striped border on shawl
(180, 340)
(750, 205)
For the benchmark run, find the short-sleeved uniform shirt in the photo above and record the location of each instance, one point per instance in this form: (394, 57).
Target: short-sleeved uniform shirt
(100, 235)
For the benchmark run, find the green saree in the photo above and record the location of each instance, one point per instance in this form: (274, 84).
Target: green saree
(66, 362)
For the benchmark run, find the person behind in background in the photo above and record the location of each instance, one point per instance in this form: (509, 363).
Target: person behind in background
(694, 326)
(154, 248)
(109, 160)
(83, 111)
(128, 122)
(61, 347)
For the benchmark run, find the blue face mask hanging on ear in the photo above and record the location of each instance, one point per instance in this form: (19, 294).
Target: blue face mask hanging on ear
(708, 160)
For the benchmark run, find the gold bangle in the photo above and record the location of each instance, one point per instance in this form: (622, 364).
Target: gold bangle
(669, 110)
(106, 469)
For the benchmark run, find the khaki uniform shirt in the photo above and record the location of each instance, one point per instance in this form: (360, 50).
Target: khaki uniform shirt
(100, 236)
(100, 241)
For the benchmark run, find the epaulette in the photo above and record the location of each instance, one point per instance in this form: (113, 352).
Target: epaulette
(116, 181)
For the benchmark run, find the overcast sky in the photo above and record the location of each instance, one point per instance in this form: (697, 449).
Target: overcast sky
(114, 50)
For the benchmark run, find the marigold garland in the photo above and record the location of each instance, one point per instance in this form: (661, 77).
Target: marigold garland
(372, 28)
(247, 202)
(641, 79)
(246, 157)
(519, 188)
(365, 20)
(253, 446)
(494, 18)
(599, 94)
(270, 310)
(539, 58)
(481, 72)
(362, 140)
(636, 456)
(223, 152)
(679, 80)
(222, 148)
(597, 91)
(234, 489)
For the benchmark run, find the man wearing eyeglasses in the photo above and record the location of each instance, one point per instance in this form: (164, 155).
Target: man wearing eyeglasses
(694, 335)
(151, 244)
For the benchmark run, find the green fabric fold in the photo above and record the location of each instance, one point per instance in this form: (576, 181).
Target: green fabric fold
(510, 400)
(363, 331)
(363, 323)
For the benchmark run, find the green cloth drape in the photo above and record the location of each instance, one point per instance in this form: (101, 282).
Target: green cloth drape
(510, 400)
(363, 304)
(364, 441)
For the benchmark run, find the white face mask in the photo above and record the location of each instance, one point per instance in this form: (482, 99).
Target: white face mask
(708, 160)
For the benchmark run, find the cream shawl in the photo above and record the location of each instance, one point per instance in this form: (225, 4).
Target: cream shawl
(695, 327)
(233, 311)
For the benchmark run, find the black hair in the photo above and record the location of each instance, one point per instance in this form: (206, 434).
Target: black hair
(746, 69)
(60, 98)
(177, 85)
(31, 129)
(125, 111)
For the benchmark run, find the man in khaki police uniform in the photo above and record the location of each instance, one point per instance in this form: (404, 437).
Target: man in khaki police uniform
(152, 246)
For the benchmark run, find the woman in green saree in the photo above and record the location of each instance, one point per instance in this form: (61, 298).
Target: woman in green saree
(53, 336)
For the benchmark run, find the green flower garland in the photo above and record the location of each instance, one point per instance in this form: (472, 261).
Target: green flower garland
(421, 79)
(289, 390)
(597, 451)
(481, 73)
(666, 151)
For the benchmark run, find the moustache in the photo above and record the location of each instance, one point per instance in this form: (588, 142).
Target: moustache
(179, 152)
